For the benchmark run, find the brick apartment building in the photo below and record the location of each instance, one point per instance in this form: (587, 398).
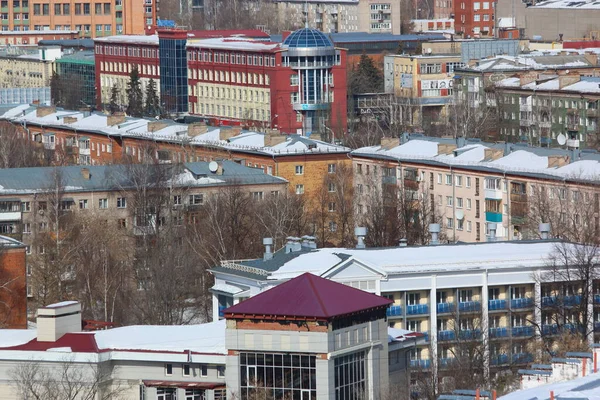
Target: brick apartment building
(474, 19)
(297, 86)
(13, 280)
(90, 19)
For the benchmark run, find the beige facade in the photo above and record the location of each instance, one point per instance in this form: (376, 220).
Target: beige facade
(26, 71)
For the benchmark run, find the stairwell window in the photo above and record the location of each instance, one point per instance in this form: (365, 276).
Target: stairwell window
(299, 169)
(299, 189)
(168, 369)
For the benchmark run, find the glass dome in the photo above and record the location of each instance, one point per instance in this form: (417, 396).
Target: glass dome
(307, 37)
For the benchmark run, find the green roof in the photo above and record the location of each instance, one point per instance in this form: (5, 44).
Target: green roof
(80, 57)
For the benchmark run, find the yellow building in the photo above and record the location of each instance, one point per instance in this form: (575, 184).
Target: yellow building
(33, 70)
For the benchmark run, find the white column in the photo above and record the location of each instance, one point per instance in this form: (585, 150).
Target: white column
(590, 312)
(485, 325)
(433, 327)
(537, 310)
(215, 307)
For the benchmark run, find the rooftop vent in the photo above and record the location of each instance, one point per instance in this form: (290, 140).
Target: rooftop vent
(434, 229)
(293, 244)
(54, 320)
(403, 242)
(268, 242)
(492, 227)
(309, 242)
(360, 232)
(544, 231)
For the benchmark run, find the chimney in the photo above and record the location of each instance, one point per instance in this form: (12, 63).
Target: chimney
(403, 242)
(115, 119)
(268, 242)
(42, 111)
(197, 128)
(446, 148)
(388, 143)
(154, 126)
(360, 232)
(273, 140)
(434, 229)
(591, 58)
(293, 244)
(55, 320)
(558, 161)
(527, 78)
(566, 80)
(228, 133)
(85, 173)
(544, 231)
(315, 136)
(492, 154)
(492, 226)
(69, 120)
(309, 242)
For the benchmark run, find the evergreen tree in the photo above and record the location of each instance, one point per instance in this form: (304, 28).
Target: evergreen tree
(152, 107)
(365, 77)
(56, 89)
(135, 97)
(113, 107)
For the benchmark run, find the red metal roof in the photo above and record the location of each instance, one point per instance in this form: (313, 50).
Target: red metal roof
(78, 342)
(308, 296)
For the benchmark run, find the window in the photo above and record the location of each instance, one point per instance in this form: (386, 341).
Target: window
(168, 369)
(413, 325)
(459, 202)
(449, 201)
(331, 169)
(439, 179)
(166, 393)
(26, 228)
(449, 222)
(186, 370)
(331, 206)
(299, 169)
(203, 370)
(359, 169)
(195, 394)
(465, 295)
(86, 11)
(412, 299)
(196, 199)
(121, 202)
(83, 204)
(299, 189)
(26, 206)
(98, 8)
(448, 179)
(350, 376)
(468, 181)
(258, 195)
(220, 372)
(441, 297)
(494, 293)
(458, 180)
(332, 226)
(460, 224)
(331, 187)
(468, 204)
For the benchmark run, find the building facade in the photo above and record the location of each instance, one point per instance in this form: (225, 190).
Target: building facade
(29, 70)
(78, 71)
(22, 37)
(474, 19)
(233, 81)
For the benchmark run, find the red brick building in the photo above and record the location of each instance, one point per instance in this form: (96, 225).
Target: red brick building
(13, 280)
(238, 80)
(473, 18)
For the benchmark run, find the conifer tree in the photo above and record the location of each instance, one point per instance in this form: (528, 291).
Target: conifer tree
(152, 107)
(56, 89)
(135, 97)
(113, 106)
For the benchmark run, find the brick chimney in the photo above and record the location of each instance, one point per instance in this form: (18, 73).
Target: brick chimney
(154, 126)
(388, 143)
(492, 154)
(42, 111)
(566, 80)
(54, 320)
(273, 140)
(527, 78)
(115, 119)
(558, 161)
(228, 133)
(85, 173)
(197, 128)
(446, 148)
(69, 120)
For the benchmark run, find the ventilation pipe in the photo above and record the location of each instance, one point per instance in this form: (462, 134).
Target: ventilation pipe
(293, 244)
(309, 242)
(360, 232)
(434, 229)
(403, 242)
(268, 242)
(545, 231)
(492, 226)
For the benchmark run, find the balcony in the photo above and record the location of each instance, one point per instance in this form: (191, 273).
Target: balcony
(388, 180)
(119, 7)
(10, 216)
(394, 311)
(549, 301)
(597, 299)
(4, 22)
(50, 146)
(445, 308)
(549, 329)
(571, 301)
(522, 331)
(524, 302)
(493, 216)
(522, 358)
(417, 309)
(573, 328)
(469, 334)
(493, 194)
(573, 143)
(592, 127)
(499, 359)
(597, 326)
(545, 124)
(222, 311)
(574, 127)
(444, 336)
(525, 122)
(84, 152)
(469, 306)
(592, 112)
(119, 20)
(496, 305)
(498, 333)
(445, 362)
(422, 364)
(525, 107)
(4, 9)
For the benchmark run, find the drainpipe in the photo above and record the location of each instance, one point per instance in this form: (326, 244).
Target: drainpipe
(453, 205)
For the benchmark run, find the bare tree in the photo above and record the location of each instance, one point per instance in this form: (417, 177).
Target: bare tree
(282, 215)
(18, 151)
(470, 119)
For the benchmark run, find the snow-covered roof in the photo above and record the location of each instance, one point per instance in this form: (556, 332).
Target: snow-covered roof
(402, 335)
(131, 39)
(586, 388)
(37, 32)
(206, 338)
(533, 61)
(570, 4)
(246, 141)
(589, 85)
(234, 43)
(516, 159)
(62, 304)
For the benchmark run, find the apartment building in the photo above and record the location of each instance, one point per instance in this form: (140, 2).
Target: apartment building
(21, 37)
(489, 292)
(475, 186)
(423, 83)
(474, 19)
(13, 314)
(27, 195)
(292, 86)
(549, 110)
(27, 68)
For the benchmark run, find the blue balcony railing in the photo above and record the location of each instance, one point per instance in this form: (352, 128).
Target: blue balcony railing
(221, 311)
(394, 311)
(498, 332)
(445, 362)
(522, 331)
(444, 336)
(425, 336)
(417, 309)
(549, 301)
(524, 302)
(420, 364)
(445, 308)
(522, 358)
(573, 328)
(494, 305)
(469, 334)
(466, 306)
(572, 300)
(499, 359)
(597, 299)
(597, 326)
(549, 329)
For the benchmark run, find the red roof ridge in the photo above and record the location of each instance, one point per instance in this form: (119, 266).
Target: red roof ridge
(316, 292)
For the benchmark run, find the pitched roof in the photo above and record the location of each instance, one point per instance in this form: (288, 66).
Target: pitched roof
(309, 296)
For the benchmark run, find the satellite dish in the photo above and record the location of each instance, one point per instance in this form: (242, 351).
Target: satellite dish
(459, 214)
(213, 166)
(428, 51)
(561, 139)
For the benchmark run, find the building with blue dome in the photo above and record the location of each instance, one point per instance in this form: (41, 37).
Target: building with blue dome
(313, 58)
